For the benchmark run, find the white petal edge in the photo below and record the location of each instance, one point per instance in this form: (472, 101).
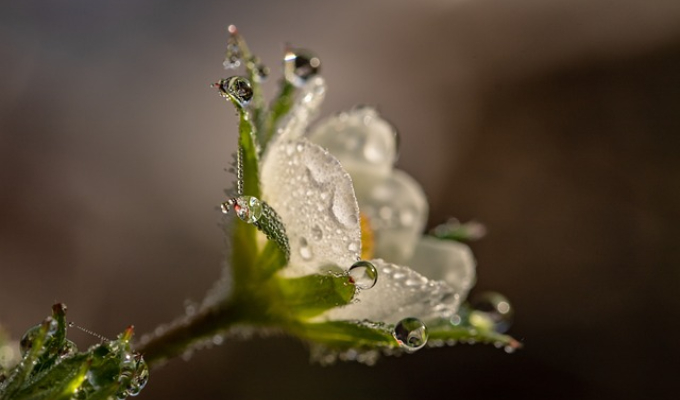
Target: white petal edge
(399, 293)
(452, 262)
(397, 211)
(364, 143)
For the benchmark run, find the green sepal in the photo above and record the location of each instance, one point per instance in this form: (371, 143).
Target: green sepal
(460, 232)
(279, 107)
(271, 259)
(244, 253)
(247, 141)
(470, 327)
(310, 295)
(343, 335)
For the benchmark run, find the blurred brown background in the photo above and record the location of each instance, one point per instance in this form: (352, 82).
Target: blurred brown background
(554, 122)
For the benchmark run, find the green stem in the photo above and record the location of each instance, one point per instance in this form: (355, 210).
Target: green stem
(180, 338)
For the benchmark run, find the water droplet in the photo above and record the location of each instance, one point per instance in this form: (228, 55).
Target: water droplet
(247, 208)
(363, 274)
(238, 88)
(305, 250)
(317, 233)
(232, 57)
(139, 377)
(299, 66)
(411, 333)
(261, 70)
(496, 308)
(68, 349)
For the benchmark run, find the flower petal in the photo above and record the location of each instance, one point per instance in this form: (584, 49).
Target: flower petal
(364, 143)
(396, 208)
(447, 260)
(304, 110)
(399, 293)
(315, 199)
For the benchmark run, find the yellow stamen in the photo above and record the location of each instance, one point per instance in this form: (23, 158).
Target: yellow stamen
(367, 239)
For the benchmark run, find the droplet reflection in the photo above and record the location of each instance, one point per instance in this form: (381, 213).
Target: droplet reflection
(494, 307)
(236, 87)
(363, 274)
(411, 333)
(299, 66)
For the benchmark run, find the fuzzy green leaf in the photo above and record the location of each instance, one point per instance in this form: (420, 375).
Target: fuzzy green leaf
(341, 335)
(278, 109)
(310, 295)
(52, 368)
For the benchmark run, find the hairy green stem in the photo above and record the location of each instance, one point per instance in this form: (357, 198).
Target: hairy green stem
(178, 339)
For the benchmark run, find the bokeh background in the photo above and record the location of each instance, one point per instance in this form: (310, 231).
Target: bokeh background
(554, 122)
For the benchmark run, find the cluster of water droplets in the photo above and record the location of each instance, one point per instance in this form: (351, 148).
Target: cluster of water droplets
(237, 53)
(247, 208)
(133, 376)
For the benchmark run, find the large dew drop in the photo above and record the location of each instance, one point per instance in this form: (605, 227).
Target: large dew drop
(247, 208)
(299, 66)
(493, 307)
(238, 88)
(411, 333)
(133, 376)
(363, 274)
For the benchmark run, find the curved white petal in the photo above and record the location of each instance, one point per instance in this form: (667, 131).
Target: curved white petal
(364, 143)
(399, 293)
(315, 199)
(445, 260)
(396, 208)
(304, 110)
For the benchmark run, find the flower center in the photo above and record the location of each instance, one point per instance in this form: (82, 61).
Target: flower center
(367, 237)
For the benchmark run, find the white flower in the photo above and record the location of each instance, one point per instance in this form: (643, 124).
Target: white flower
(314, 179)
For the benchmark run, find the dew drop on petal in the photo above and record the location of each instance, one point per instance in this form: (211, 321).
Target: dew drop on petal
(496, 308)
(305, 250)
(300, 65)
(315, 199)
(317, 233)
(411, 333)
(363, 274)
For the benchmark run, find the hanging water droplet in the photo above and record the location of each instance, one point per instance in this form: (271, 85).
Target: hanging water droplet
(68, 349)
(411, 333)
(496, 308)
(363, 274)
(238, 88)
(299, 66)
(305, 250)
(140, 378)
(248, 208)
